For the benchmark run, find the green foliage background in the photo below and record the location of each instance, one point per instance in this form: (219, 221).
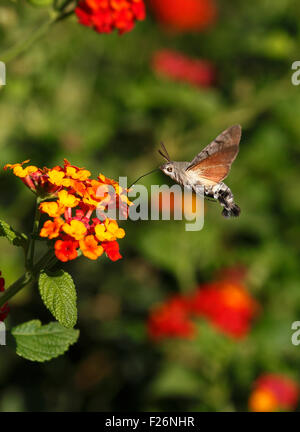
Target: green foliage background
(95, 100)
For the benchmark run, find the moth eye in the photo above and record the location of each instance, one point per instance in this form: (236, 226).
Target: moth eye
(169, 169)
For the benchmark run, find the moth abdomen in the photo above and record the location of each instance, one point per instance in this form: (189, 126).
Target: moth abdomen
(223, 194)
(232, 211)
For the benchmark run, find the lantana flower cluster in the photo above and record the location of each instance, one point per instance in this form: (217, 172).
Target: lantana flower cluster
(226, 304)
(70, 198)
(274, 392)
(104, 16)
(4, 310)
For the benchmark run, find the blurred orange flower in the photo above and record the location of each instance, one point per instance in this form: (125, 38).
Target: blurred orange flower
(274, 392)
(185, 15)
(226, 304)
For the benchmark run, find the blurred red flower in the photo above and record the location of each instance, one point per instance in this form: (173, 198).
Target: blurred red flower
(179, 67)
(224, 303)
(185, 15)
(108, 15)
(274, 392)
(5, 308)
(171, 319)
(227, 305)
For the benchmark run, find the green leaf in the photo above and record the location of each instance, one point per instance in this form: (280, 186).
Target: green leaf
(16, 238)
(42, 343)
(59, 295)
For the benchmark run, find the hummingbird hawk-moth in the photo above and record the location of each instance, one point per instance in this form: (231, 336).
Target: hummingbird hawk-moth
(208, 169)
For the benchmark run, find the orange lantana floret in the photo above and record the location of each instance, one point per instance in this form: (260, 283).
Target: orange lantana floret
(66, 250)
(90, 247)
(51, 229)
(78, 187)
(90, 197)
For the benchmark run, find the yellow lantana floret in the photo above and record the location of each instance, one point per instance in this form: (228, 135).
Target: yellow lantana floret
(56, 177)
(109, 231)
(52, 208)
(81, 174)
(67, 199)
(75, 229)
(23, 172)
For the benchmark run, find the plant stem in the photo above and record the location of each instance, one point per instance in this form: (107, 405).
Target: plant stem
(43, 262)
(16, 287)
(19, 48)
(65, 4)
(35, 229)
(26, 278)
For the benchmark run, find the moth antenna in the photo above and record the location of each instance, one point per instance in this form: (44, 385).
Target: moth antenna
(165, 151)
(164, 156)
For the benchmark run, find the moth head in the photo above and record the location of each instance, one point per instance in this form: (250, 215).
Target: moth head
(169, 169)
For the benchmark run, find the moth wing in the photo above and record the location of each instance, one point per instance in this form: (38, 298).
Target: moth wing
(214, 161)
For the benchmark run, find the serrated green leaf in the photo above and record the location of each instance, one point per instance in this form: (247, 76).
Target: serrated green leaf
(59, 295)
(13, 236)
(42, 343)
